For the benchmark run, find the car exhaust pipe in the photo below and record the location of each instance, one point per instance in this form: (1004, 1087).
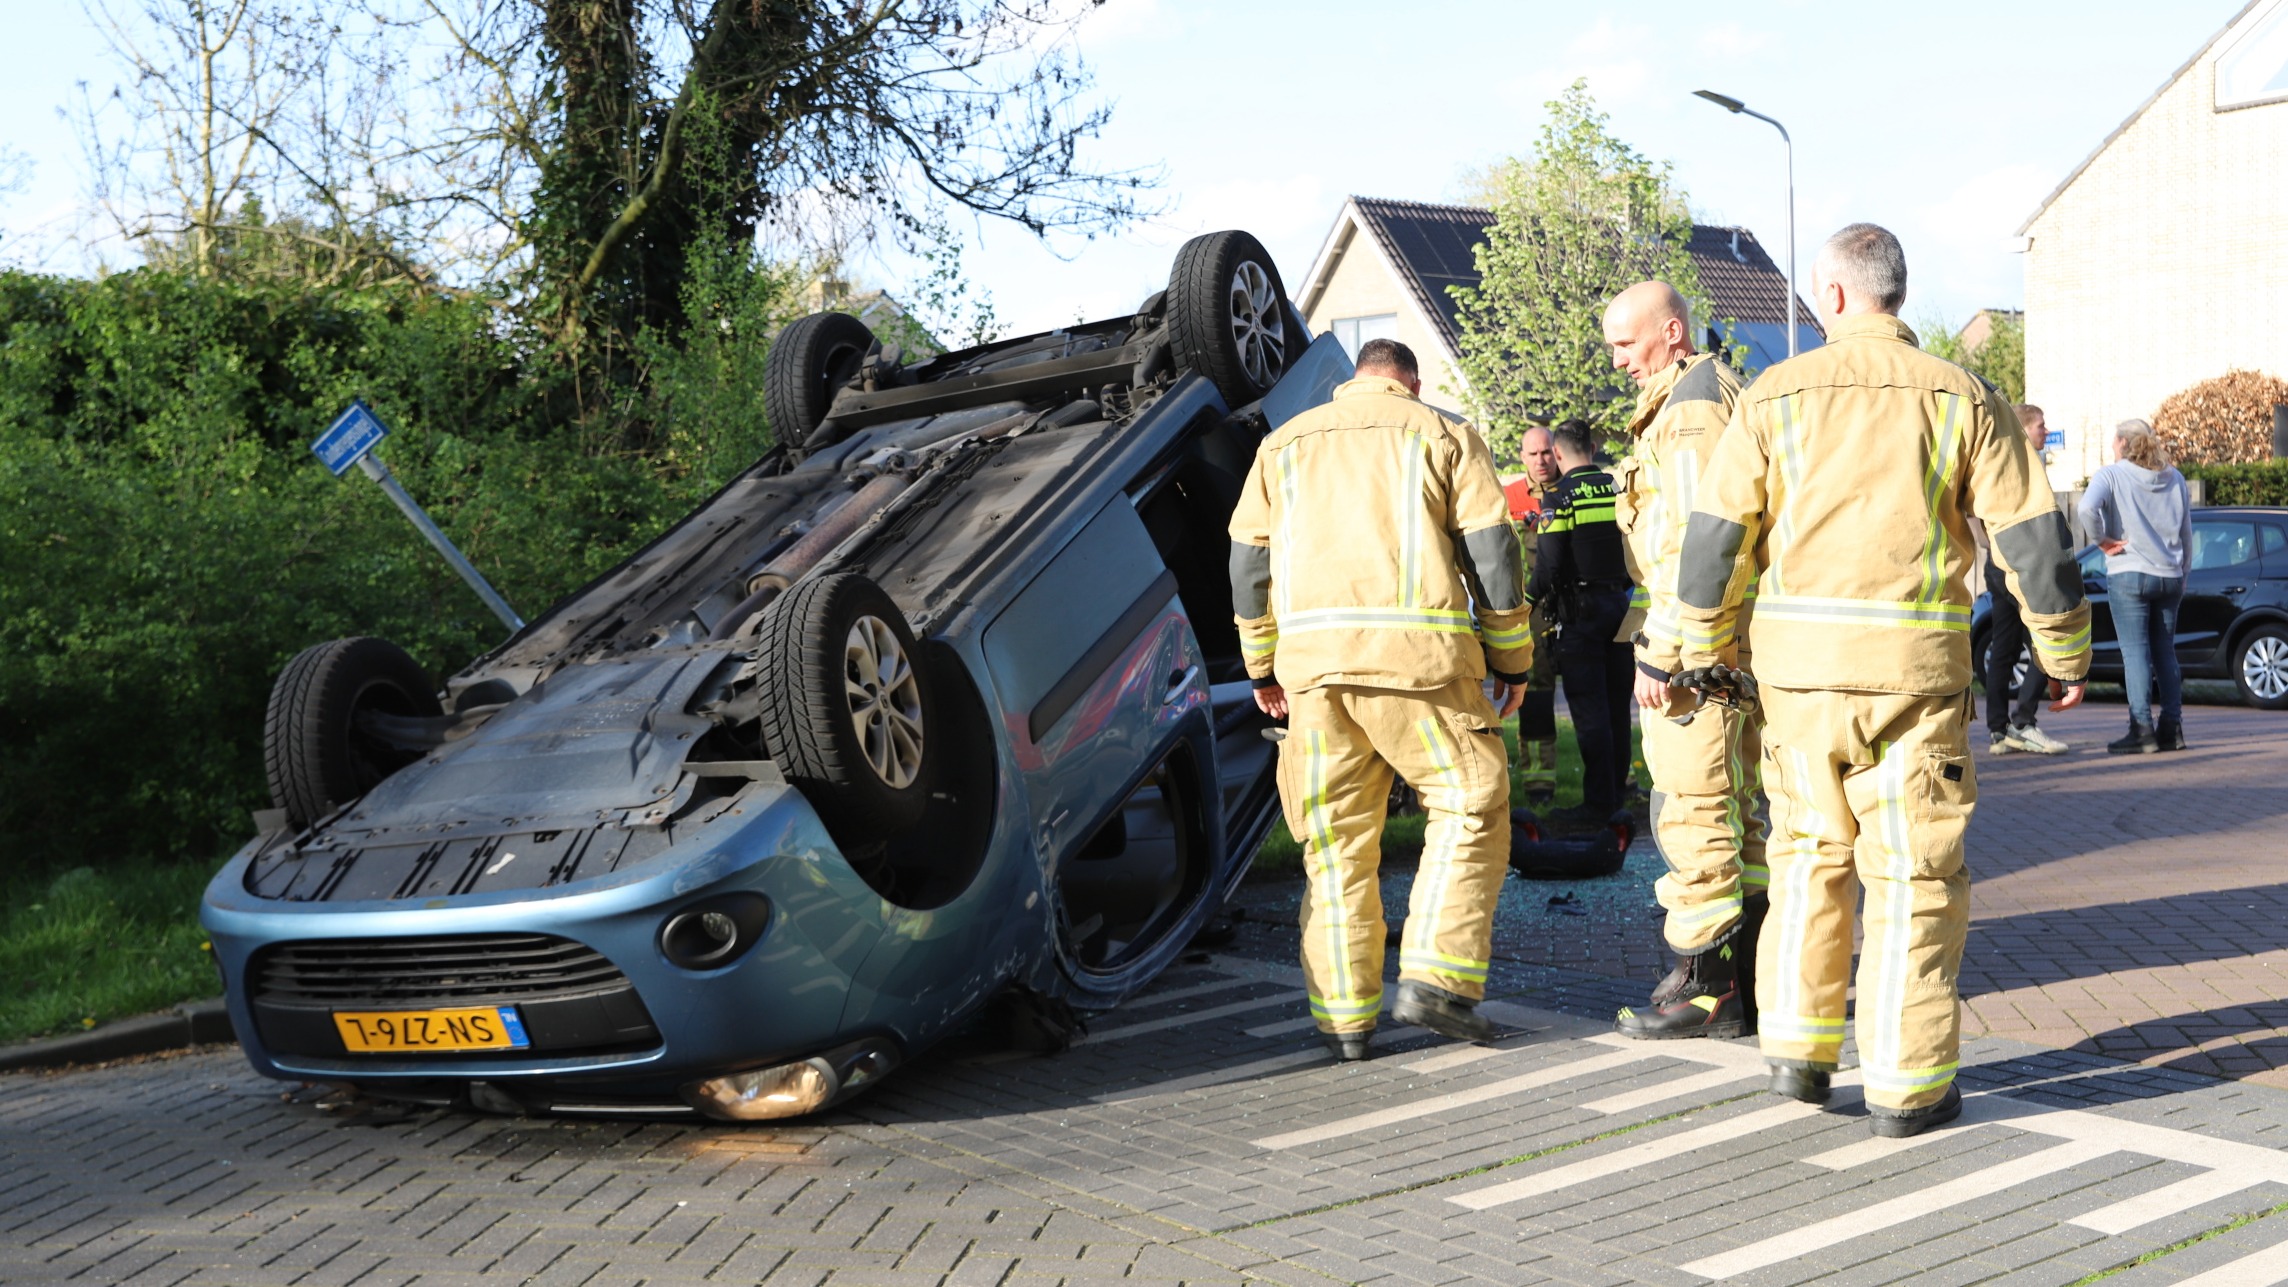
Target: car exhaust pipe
(805, 553)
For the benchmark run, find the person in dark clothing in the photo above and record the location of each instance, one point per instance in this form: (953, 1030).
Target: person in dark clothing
(2012, 709)
(1580, 571)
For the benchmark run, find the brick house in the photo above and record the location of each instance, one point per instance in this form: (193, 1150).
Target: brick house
(1384, 270)
(2162, 260)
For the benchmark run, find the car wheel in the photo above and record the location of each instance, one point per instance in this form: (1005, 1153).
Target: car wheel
(313, 751)
(1227, 315)
(2260, 667)
(812, 358)
(845, 707)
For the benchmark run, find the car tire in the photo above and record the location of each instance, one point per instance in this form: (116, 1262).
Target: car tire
(1228, 315)
(312, 751)
(812, 358)
(2260, 667)
(846, 709)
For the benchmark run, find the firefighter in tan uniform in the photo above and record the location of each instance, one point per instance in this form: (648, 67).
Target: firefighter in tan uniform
(1704, 787)
(1842, 488)
(1376, 579)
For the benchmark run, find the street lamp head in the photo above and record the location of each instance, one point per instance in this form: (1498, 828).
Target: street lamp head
(1725, 101)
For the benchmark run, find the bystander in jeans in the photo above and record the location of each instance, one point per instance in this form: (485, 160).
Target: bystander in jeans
(2140, 511)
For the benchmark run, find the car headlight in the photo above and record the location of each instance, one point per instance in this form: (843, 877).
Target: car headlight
(790, 1090)
(711, 934)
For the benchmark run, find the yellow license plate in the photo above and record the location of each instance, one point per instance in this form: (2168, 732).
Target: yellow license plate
(492, 1027)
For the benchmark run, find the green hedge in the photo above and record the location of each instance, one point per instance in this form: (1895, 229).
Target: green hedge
(167, 541)
(2262, 483)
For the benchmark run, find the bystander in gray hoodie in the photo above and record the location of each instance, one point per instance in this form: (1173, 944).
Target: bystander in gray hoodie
(2149, 510)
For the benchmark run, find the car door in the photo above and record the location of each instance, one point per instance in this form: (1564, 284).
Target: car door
(2227, 563)
(2104, 647)
(1095, 662)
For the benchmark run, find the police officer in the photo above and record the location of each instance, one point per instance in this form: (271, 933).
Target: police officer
(1581, 572)
(1366, 531)
(1537, 718)
(1704, 805)
(1841, 489)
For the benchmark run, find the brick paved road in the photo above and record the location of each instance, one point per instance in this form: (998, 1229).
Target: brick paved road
(2127, 920)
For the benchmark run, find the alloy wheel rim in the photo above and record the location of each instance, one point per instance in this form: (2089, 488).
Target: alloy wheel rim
(2264, 668)
(885, 701)
(1256, 327)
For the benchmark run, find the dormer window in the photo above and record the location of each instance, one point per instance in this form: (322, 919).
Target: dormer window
(2253, 69)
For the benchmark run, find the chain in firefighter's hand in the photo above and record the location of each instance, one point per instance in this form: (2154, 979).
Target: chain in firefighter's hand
(1720, 684)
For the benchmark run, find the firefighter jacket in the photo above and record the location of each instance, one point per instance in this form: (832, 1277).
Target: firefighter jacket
(1680, 417)
(1580, 541)
(1366, 531)
(1844, 482)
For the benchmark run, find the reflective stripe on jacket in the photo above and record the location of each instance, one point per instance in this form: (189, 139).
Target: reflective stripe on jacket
(1681, 415)
(1580, 540)
(1844, 482)
(1372, 545)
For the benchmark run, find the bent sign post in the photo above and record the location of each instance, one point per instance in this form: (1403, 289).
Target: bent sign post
(350, 440)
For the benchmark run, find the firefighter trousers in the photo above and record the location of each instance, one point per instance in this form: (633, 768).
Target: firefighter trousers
(1705, 785)
(1343, 743)
(1873, 791)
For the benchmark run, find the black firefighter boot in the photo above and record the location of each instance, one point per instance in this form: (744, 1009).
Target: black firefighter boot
(1701, 997)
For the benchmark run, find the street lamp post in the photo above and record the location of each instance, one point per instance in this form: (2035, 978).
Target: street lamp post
(1731, 104)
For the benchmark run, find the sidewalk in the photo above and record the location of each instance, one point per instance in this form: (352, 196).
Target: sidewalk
(2126, 931)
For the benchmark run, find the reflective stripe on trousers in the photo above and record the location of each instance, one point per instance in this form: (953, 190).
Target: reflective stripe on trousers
(1868, 790)
(1335, 769)
(1706, 787)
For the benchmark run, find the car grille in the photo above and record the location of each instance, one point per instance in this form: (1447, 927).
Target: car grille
(399, 971)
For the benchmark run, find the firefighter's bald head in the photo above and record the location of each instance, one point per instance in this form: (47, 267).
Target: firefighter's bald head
(1861, 269)
(1649, 327)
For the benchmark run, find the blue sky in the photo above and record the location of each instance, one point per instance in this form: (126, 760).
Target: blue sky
(1947, 122)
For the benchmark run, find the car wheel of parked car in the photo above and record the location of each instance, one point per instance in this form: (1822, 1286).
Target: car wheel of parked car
(809, 361)
(2260, 667)
(845, 708)
(1227, 315)
(316, 756)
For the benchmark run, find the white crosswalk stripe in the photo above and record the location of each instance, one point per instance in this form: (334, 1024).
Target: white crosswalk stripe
(2168, 1200)
(1628, 1159)
(2078, 1136)
(1899, 1210)
(1452, 1099)
(1672, 1089)
(2266, 1268)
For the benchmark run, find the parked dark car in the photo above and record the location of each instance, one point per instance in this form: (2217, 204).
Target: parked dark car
(940, 702)
(2234, 620)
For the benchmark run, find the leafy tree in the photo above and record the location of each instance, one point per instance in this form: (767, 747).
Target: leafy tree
(2000, 359)
(1583, 218)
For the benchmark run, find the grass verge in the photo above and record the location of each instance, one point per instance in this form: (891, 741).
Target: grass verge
(93, 944)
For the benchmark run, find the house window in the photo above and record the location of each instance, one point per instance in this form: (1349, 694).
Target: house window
(1354, 331)
(2255, 68)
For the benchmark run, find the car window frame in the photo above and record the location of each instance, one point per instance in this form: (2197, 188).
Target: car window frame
(2202, 527)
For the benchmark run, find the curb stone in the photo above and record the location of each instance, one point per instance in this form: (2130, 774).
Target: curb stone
(194, 1023)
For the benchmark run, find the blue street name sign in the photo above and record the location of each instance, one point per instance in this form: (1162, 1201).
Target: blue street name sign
(2054, 438)
(350, 436)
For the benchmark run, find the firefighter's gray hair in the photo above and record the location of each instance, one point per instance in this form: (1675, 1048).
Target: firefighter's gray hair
(1866, 260)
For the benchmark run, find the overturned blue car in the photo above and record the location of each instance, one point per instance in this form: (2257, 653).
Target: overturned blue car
(939, 702)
